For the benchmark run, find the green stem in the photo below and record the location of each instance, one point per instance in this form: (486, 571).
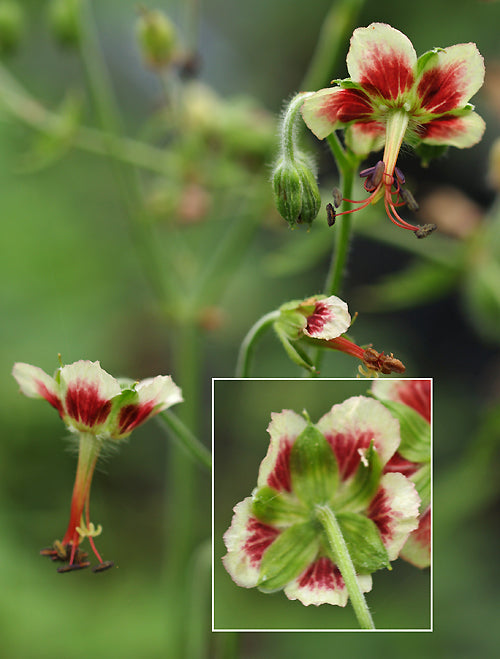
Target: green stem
(248, 344)
(199, 571)
(338, 23)
(174, 426)
(344, 562)
(289, 128)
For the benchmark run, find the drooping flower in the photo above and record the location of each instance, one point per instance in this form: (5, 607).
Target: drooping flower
(392, 97)
(98, 409)
(276, 540)
(410, 401)
(322, 320)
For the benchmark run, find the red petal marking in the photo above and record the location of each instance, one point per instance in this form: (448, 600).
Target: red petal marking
(279, 478)
(381, 512)
(422, 534)
(132, 416)
(371, 128)
(440, 89)
(442, 128)
(322, 574)
(49, 396)
(318, 319)
(417, 395)
(346, 105)
(399, 464)
(386, 73)
(85, 405)
(260, 536)
(345, 447)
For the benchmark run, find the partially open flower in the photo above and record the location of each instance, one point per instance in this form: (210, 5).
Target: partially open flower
(322, 320)
(276, 539)
(93, 405)
(410, 402)
(392, 97)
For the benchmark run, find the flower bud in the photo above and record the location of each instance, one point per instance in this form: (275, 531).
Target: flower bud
(11, 26)
(296, 192)
(157, 38)
(64, 22)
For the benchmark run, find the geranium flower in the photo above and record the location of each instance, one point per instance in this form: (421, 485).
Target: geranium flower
(413, 457)
(393, 97)
(322, 320)
(93, 405)
(276, 540)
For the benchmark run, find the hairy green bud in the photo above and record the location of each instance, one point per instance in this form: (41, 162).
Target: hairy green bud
(296, 192)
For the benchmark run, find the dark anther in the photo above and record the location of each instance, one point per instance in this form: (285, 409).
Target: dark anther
(409, 200)
(103, 566)
(71, 568)
(337, 197)
(373, 176)
(392, 365)
(330, 215)
(381, 362)
(399, 175)
(425, 230)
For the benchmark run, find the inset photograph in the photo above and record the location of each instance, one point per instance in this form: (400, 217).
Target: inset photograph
(322, 494)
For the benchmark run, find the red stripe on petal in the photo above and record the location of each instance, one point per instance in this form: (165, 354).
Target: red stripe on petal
(260, 536)
(345, 106)
(382, 513)
(318, 319)
(322, 574)
(49, 396)
(131, 416)
(85, 405)
(422, 534)
(387, 73)
(417, 395)
(442, 129)
(279, 478)
(399, 464)
(346, 448)
(441, 89)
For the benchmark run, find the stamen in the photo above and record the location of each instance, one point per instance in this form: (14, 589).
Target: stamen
(103, 566)
(337, 197)
(72, 567)
(409, 200)
(425, 230)
(330, 215)
(399, 175)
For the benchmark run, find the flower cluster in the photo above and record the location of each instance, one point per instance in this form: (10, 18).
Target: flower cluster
(98, 409)
(276, 539)
(392, 97)
(321, 320)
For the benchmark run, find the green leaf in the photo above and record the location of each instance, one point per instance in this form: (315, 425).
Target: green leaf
(415, 432)
(428, 152)
(364, 543)
(278, 508)
(288, 556)
(313, 467)
(364, 484)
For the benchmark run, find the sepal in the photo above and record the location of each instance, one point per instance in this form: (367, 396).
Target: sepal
(363, 486)
(364, 543)
(288, 556)
(276, 508)
(414, 429)
(313, 468)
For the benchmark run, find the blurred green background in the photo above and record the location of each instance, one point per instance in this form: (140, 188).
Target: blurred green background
(72, 281)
